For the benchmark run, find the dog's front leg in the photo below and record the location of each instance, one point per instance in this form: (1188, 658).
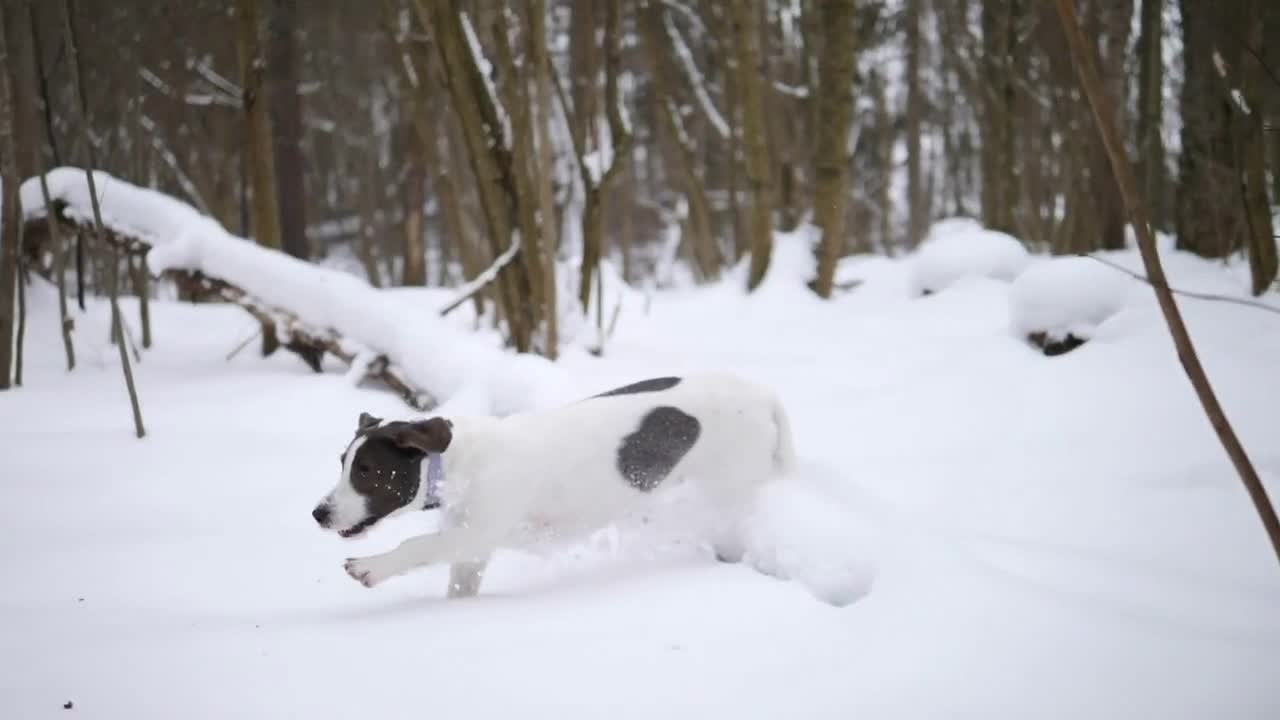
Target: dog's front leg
(460, 545)
(465, 578)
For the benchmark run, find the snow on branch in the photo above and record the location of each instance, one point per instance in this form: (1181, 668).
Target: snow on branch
(486, 71)
(696, 80)
(486, 276)
(311, 309)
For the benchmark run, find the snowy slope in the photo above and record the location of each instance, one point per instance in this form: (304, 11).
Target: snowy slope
(1022, 536)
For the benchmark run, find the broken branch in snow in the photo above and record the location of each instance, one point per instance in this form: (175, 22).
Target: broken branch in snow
(303, 340)
(281, 328)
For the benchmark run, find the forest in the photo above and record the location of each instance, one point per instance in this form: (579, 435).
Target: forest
(1012, 265)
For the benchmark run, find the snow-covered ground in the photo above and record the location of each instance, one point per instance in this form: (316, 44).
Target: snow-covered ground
(977, 530)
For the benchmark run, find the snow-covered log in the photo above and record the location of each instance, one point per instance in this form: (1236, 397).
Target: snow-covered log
(310, 309)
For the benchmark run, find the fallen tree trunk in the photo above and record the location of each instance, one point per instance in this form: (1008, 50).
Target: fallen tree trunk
(281, 328)
(308, 309)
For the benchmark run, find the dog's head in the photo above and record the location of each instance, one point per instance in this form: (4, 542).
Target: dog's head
(381, 473)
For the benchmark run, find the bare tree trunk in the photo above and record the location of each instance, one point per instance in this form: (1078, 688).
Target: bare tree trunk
(1263, 262)
(414, 271)
(489, 154)
(258, 146)
(12, 212)
(746, 39)
(117, 322)
(595, 184)
(917, 211)
(698, 231)
(1124, 175)
(286, 127)
(1151, 108)
(546, 203)
(998, 23)
(831, 157)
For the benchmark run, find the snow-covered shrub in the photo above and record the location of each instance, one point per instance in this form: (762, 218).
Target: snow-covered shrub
(1058, 303)
(961, 247)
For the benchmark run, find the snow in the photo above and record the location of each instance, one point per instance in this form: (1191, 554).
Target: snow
(1068, 295)
(974, 530)
(440, 358)
(956, 248)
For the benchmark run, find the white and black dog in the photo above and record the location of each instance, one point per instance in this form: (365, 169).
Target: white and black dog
(503, 481)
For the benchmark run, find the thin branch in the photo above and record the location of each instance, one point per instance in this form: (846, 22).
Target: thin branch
(1211, 297)
(488, 275)
(1104, 119)
(116, 319)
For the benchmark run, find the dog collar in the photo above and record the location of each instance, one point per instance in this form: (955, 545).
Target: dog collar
(435, 473)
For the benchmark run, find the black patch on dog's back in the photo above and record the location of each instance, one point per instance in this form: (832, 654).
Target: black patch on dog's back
(644, 386)
(649, 454)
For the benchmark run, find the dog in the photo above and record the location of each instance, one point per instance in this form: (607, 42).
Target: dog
(500, 482)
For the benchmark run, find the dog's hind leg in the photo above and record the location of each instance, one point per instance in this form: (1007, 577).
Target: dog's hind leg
(465, 578)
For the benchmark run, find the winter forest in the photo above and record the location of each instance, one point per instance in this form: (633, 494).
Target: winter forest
(1009, 265)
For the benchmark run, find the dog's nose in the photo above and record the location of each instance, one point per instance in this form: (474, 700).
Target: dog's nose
(321, 514)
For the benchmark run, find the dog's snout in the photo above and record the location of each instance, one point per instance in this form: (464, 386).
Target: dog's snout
(321, 514)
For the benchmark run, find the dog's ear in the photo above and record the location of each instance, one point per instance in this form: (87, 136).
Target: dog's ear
(432, 435)
(367, 421)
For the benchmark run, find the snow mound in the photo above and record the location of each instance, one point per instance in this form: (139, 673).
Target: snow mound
(1066, 296)
(797, 534)
(960, 247)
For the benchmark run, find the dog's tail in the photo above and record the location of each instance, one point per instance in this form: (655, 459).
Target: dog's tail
(784, 451)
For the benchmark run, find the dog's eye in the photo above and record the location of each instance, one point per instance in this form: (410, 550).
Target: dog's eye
(362, 469)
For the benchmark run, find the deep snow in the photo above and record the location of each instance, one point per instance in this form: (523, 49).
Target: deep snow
(1021, 536)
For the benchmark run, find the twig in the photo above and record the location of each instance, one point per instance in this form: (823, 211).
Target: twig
(116, 318)
(486, 276)
(1103, 117)
(244, 343)
(1185, 293)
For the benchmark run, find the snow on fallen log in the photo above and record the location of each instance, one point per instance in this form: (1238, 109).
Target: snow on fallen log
(312, 308)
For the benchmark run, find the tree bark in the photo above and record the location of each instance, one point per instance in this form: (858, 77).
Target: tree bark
(264, 214)
(545, 161)
(1150, 143)
(698, 230)
(831, 156)
(12, 212)
(285, 119)
(489, 155)
(998, 178)
(1104, 116)
(746, 39)
(917, 207)
(619, 139)
(1262, 240)
(1209, 221)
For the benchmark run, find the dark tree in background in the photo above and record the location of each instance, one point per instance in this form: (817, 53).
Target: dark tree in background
(423, 142)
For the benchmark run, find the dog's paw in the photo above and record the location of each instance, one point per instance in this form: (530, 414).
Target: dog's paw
(365, 571)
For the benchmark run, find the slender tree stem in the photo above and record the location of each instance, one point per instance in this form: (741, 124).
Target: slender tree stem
(1104, 116)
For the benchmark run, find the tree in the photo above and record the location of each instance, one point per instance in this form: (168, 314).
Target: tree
(746, 43)
(258, 146)
(917, 208)
(835, 114)
(1149, 141)
(285, 120)
(12, 212)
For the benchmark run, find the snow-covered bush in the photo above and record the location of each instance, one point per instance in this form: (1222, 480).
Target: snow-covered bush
(961, 247)
(1059, 302)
